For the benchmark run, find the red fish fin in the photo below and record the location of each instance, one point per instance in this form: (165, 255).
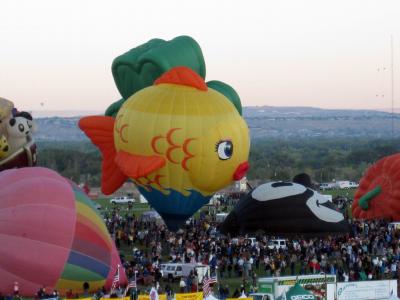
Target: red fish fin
(100, 130)
(182, 76)
(136, 166)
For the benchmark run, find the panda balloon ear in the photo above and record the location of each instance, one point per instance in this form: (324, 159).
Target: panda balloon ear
(303, 179)
(25, 115)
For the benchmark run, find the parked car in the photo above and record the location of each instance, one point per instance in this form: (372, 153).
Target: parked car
(121, 200)
(343, 184)
(326, 186)
(353, 185)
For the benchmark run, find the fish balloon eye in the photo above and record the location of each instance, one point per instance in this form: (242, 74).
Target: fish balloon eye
(224, 149)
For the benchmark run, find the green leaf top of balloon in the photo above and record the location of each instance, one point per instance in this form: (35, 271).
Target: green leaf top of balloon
(141, 66)
(228, 92)
(113, 109)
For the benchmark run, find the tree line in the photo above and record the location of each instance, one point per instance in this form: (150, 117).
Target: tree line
(324, 159)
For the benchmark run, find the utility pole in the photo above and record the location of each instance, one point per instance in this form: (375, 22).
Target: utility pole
(392, 81)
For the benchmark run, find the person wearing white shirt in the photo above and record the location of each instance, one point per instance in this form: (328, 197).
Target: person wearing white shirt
(346, 277)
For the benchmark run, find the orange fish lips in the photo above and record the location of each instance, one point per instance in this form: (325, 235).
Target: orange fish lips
(241, 170)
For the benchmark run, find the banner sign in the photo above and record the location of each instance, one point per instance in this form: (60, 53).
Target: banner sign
(147, 297)
(189, 296)
(104, 298)
(365, 290)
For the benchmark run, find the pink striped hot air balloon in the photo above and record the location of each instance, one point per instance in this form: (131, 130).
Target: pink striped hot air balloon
(51, 235)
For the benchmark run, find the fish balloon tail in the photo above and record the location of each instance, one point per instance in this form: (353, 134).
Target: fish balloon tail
(100, 131)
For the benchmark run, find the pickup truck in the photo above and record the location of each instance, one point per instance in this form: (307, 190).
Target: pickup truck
(172, 271)
(121, 200)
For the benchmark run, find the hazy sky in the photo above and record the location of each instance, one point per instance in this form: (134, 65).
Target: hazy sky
(290, 53)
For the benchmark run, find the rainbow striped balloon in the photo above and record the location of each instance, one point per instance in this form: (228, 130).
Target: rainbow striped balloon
(52, 235)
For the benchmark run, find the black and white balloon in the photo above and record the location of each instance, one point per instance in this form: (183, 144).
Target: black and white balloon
(285, 208)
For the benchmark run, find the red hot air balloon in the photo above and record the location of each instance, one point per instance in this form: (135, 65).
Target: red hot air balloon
(378, 195)
(51, 235)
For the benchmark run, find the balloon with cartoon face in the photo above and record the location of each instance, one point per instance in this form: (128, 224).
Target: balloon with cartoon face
(20, 128)
(178, 140)
(285, 208)
(4, 148)
(18, 147)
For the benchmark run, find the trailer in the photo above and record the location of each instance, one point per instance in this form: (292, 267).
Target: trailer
(322, 285)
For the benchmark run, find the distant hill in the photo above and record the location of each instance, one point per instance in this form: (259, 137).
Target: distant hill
(287, 122)
(268, 121)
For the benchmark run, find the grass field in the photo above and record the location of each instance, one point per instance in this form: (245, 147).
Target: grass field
(349, 193)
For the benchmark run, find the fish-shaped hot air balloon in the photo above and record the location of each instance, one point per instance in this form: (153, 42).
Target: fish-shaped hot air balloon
(51, 235)
(178, 140)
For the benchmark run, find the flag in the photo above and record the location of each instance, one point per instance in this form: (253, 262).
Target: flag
(153, 294)
(131, 285)
(115, 280)
(207, 289)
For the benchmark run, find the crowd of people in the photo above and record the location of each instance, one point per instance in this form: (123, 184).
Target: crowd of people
(370, 251)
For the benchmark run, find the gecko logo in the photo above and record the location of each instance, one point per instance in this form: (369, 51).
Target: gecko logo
(341, 290)
(302, 297)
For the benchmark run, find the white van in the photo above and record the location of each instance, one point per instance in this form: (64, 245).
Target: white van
(277, 244)
(121, 200)
(343, 184)
(173, 271)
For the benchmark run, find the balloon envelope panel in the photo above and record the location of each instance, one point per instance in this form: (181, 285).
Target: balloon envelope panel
(53, 237)
(37, 215)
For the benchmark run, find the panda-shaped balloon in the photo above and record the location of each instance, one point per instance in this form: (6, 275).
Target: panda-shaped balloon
(285, 208)
(20, 129)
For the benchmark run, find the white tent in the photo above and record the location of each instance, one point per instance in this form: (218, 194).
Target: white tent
(393, 297)
(243, 295)
(211, 297)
